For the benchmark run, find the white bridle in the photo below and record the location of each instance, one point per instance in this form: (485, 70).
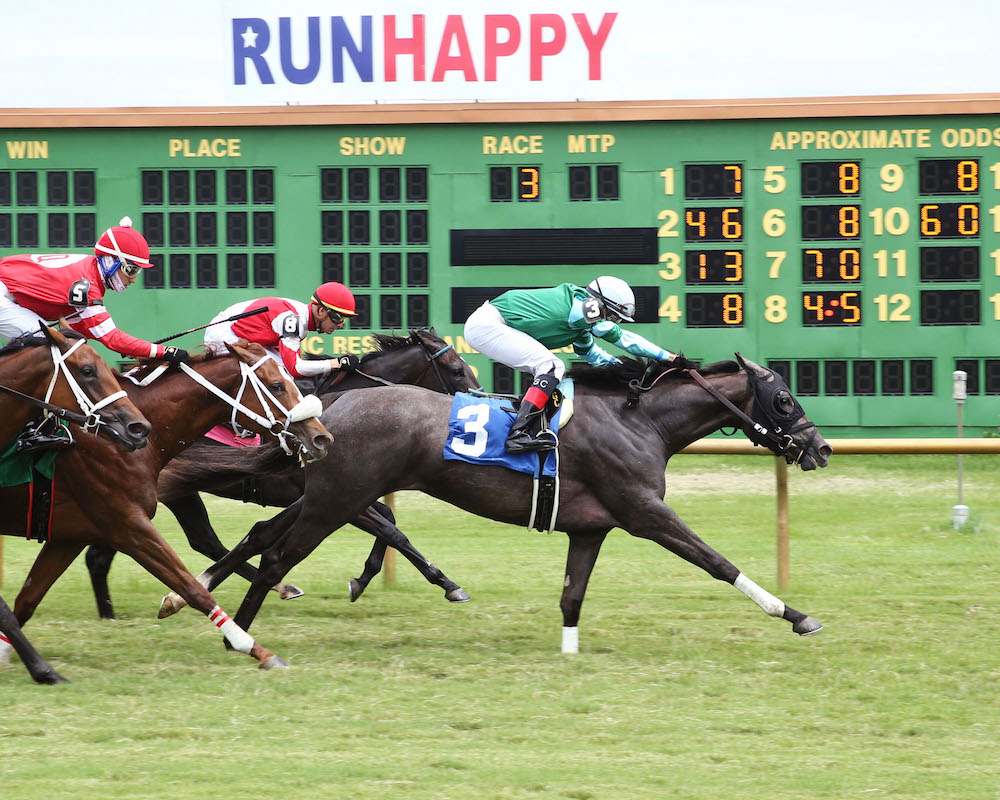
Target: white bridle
(308, 407)
(87, 406)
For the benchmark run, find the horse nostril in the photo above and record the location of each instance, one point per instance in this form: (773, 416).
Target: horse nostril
(138, 429)
(826, 451)
(322, 441)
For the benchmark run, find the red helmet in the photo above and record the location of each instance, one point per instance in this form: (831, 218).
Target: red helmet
(336, 297)
(126, 243)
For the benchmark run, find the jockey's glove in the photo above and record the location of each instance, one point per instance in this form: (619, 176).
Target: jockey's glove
(174, 355)
(349, 363)
(682, 362)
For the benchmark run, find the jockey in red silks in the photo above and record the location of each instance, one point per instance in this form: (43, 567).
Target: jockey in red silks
(281, 328)
(39, 288)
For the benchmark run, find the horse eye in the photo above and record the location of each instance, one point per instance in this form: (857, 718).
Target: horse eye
(88, 371)
(278, 387)
(785, 402)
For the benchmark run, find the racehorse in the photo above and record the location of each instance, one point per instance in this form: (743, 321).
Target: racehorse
(421, 359)
(629, 420)
(76, 385)
(111, 499)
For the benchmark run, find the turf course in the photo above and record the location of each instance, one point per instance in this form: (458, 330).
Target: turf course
(683, 688)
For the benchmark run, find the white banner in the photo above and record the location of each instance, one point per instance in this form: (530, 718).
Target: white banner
(62, 54)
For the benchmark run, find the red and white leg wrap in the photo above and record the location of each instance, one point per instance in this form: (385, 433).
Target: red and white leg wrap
(5, 649)
(237, 637)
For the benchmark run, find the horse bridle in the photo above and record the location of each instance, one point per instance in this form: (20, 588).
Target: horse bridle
(766, 432)
(309, 407)
(431, 362)
(89, 420)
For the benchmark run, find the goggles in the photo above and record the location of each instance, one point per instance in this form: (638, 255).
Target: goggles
(130, 269)
(335, 316)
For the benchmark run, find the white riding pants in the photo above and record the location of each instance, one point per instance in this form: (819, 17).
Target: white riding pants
(486, 331)
(14, 319)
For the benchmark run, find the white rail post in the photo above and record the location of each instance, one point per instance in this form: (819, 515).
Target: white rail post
(960, 512)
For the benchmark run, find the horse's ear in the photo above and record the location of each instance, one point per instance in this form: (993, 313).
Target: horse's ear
(752, 367)
(54, 337)
(740, 361)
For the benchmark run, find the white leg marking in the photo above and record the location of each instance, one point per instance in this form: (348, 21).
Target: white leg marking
(571, 640)
(767, 601)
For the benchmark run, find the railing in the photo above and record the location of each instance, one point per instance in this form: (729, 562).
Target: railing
(841, 447)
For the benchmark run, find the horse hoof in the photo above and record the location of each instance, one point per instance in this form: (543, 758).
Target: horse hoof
(170, 605)
(354, 589)
(274, 662)
(50, 677)
(288, 591)
(806, 626)
(457, 596)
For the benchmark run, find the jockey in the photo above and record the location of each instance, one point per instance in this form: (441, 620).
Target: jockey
(522, 326)
(38, 288)
(281, 328)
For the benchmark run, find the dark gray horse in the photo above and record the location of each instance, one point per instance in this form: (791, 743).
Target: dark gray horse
(629, 420)
(266, 476)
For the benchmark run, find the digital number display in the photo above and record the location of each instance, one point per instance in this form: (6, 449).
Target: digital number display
(508, 182)
(949, 263)
(949, 176)
(831, 308)
(713, 181)
(713, 267)
(714, 310)
(713, 224)
(949, 220)
(949, 307)
(831, 265)
(831, 178)
(831, 222)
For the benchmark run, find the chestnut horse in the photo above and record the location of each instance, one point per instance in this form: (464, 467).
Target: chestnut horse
(109, 498)
(613, 454)
(421, 359)
(68, 377)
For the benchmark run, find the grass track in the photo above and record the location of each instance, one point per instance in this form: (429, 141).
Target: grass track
(683, 688)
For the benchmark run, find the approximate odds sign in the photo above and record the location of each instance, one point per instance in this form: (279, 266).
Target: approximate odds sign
(859, 256)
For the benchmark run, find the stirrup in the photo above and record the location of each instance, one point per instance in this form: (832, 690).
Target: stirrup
(525, 442)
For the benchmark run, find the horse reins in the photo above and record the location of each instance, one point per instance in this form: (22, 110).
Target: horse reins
(431, 362)
(776, 440)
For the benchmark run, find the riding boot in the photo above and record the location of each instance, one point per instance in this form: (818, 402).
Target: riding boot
(529, 433)
(46, 434)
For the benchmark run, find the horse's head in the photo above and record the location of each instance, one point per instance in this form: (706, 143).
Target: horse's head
(280, 408)
(453, 372)
(82, 380)
(774, 409)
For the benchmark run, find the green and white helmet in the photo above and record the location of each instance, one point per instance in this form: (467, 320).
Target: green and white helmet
(615, 295)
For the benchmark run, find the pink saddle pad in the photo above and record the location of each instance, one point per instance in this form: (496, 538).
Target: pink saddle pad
(226, 435)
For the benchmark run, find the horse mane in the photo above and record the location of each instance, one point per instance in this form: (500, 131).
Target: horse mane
(388, 343)
(35, 339)
(616, 375)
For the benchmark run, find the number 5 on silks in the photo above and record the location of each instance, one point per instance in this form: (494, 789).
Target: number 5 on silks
(475, 417)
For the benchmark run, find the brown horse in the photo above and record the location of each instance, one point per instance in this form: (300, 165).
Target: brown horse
(613, 455)
(421, 359)
(109, 498)
(61, 371)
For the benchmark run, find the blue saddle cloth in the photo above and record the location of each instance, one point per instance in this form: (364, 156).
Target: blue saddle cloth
(477, 433)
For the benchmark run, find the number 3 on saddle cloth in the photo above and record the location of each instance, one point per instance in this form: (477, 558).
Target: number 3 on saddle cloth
(477, 434)
(31, 459)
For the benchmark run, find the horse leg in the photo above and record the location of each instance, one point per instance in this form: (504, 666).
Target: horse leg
(150, 550)
(99, 560)
(373, 566)
(11, 636)
(580, 560)
(373, 522)
(50, 563)
(262, 535)
(661, 525)
(192, 515)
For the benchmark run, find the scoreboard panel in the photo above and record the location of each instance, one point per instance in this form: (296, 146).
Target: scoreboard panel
(857, 255)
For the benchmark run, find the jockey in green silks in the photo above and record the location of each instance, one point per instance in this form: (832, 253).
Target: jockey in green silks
(521, 327)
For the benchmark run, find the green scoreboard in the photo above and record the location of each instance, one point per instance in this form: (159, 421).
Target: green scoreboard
(856, 251)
